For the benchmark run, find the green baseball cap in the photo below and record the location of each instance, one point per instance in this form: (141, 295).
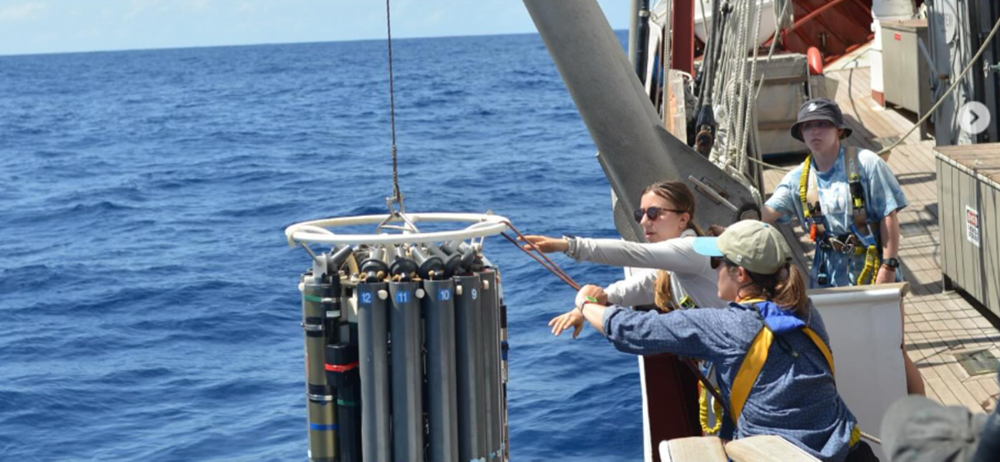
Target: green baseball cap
(754, 245)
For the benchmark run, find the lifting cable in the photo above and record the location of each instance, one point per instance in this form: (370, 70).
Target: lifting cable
(397, 196)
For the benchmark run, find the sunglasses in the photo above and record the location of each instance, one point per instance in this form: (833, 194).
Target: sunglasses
(716, 261)
(652, 213)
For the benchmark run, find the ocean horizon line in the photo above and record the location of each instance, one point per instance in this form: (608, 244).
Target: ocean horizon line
(244, 45)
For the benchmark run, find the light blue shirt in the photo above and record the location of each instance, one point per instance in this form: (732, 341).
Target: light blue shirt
(883, 195)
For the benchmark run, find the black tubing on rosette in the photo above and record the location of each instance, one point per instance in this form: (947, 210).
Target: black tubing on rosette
(343, 376)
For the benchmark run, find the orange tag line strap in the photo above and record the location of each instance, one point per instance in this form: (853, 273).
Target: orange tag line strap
(341, 368)
(548, 264)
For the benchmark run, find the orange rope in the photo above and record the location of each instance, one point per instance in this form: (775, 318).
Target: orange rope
(547, 263)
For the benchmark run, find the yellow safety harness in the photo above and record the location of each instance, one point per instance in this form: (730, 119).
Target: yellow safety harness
(753, 364)
(816, 226)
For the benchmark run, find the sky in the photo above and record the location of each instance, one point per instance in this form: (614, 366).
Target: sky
(59, 26)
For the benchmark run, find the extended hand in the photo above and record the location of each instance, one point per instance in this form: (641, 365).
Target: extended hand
(546, 244)
(715, 230)
(571, 318)
(591, 294)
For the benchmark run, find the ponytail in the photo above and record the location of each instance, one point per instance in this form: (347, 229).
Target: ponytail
(786, 288)
(663, 291)
(790, 292)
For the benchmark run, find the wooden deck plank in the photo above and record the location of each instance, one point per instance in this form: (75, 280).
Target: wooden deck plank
(943, 392)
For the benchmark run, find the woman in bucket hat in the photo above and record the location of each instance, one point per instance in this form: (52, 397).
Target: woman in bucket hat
(847, 201)
(770, 347)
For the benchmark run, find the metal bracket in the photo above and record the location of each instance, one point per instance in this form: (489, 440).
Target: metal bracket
(408, 226)
(712, 193)
(987, 68)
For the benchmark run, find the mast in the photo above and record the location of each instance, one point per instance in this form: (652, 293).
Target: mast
(638, 37)
(634, 149)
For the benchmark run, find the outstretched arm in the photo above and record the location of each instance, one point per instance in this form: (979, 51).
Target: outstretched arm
(545, 244)
(702, 334)
(676, 255)
(636, 290)
(594, 314)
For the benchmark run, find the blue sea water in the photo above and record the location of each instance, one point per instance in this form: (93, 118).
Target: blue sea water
(148, 301)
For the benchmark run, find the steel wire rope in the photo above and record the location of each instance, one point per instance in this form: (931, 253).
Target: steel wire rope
(397, 196)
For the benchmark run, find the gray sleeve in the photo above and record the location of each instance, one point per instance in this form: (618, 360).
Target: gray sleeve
(636, 290)
(712, 334)
(676, 255)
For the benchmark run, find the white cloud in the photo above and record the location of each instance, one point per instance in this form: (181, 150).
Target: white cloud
(22, 11)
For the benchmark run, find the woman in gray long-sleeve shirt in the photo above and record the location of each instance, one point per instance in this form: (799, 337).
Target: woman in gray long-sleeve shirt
(773, 361)
(667, 271)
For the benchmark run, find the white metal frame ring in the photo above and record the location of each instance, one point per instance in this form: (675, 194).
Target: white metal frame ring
(316, 231)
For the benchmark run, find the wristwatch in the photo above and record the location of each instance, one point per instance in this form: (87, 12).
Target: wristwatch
(891, 263)
(570, 245)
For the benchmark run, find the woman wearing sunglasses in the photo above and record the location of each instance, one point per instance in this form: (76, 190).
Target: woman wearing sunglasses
(671, 274)
(675, 275)
(769, 345)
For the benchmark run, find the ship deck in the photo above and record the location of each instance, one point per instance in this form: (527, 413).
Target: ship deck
(939, 324)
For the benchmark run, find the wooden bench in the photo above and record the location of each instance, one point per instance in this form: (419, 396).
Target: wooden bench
(765, 448)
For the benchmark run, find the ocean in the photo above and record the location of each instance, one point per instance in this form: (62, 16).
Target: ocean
(149, 300)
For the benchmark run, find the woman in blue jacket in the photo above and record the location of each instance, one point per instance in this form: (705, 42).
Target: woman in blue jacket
(770, 347)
